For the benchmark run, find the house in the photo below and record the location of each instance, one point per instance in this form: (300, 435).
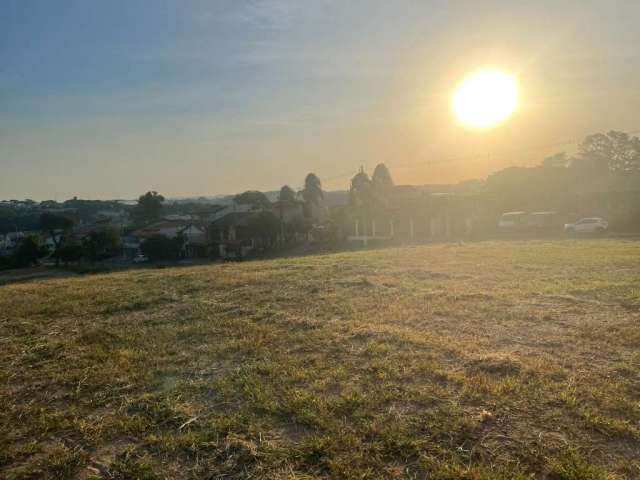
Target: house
(112, 216)
(196, 240)
(211, 212)
(178, 217)
(6, 245)
(230, 236)
(9, 241)
(195, 235)
(232, 208)
(131, 246)
(414, 214)
(168, 228)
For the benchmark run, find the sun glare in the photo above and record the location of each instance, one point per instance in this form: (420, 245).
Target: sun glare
(485, 99)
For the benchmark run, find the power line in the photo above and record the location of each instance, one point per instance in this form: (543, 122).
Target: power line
(475, 158)
(521, 150)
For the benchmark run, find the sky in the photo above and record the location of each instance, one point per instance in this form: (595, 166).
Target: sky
(111, 98)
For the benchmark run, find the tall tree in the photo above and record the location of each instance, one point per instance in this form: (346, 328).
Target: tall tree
(149, 207)
(70, 252)
(381, 189)
(256, 199)
(265, 226)
(55, 226)
(287, 194)
(28, 252)
(312, 193)
(361, 198)
(381, 180)
(614, 152)
(360, 193)
(161, 247)
(101, 243)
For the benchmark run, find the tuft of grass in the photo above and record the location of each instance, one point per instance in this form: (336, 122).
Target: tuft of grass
(572, 466)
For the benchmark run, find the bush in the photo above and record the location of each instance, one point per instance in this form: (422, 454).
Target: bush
(70, 253)
(28, 252)
(161, 247)
(6, 263)
(101, 244)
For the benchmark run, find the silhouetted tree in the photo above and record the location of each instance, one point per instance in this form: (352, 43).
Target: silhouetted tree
(71, 252)
(101, 243)
(381, 190)
(312, 193)
(256, 199)
(361, 197)
(28, 252)
(149, 207)
(55, 226)
(14, 219)
(381, 180)
(287, 194)
(614, 152)
(360, 193)
(297, 225)
(265, 226)
(339, 223)
(161, 247)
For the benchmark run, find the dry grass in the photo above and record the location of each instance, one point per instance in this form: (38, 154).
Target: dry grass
(478, 361)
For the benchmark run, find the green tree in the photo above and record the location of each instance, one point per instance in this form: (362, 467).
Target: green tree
(339, 223)
(264, 226)
(161, 247)
(101, 244)
(312, 193)
(70, 252)
(381, 181)
(55, 226)
(149, 207)
(297, 225)
(381, 190)
(614, 152)
(8, 220)
(287, 194)
(361, 198)
(256, 199)
(360, 193)
(28, 252)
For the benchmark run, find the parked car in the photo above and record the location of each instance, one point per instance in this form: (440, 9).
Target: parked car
(140, 259)
(512, 221)
(586, 226)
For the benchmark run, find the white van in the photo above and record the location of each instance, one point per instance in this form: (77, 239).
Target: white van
(512, 221)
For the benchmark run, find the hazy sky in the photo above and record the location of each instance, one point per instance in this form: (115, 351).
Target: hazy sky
(110, 98)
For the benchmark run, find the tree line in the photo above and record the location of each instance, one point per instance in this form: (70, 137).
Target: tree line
(604, 162)
(99, 243)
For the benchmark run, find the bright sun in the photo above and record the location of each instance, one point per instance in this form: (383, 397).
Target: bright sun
(485, 99)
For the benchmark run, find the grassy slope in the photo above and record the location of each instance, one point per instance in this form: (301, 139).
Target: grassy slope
(487, 360)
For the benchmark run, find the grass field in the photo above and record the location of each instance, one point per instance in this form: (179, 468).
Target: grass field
(478, 361)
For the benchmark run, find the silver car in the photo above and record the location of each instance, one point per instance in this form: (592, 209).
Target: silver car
(592, 225)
